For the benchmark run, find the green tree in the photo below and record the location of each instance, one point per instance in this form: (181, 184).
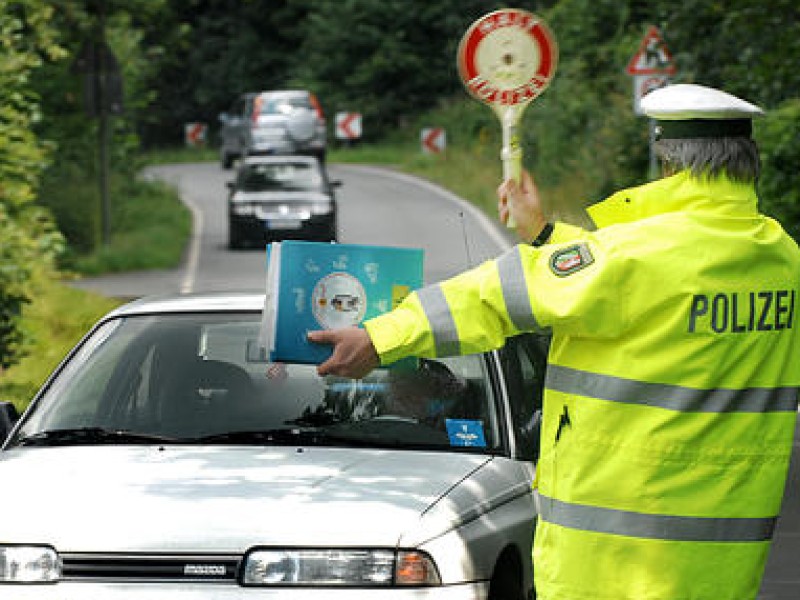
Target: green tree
(70, 186)
(28, 239)
(387, 59)
(206, 52)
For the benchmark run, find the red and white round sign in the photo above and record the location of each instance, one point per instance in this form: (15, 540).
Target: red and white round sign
(507, 57)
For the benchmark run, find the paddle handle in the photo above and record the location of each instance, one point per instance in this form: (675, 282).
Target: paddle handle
(511, 152)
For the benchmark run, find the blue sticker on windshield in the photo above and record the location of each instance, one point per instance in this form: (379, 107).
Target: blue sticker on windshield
(465, 432)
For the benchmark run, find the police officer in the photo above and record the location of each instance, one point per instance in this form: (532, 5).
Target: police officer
(671, 391)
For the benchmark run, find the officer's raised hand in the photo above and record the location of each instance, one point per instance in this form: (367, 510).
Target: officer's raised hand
(353, 356)
(521, 201)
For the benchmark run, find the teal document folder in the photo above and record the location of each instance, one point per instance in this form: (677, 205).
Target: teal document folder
(319, 285)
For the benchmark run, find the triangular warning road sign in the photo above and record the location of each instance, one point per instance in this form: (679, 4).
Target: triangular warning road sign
(652, 58)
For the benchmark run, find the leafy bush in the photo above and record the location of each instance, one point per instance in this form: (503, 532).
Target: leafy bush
(779, 187)
(14, 274)
(149, 227)
(28, 241)
(54, 321)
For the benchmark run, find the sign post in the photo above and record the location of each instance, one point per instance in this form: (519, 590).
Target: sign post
(651, 68)
(506, 59)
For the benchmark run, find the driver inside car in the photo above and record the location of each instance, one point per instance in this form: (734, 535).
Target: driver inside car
(427, 395)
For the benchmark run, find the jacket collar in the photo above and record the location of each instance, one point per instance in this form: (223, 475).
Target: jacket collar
(680, 192)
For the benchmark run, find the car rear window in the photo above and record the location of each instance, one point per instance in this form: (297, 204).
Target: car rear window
(261, 177)
(268, 104)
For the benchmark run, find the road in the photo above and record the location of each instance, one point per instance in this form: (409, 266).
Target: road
(378, 206)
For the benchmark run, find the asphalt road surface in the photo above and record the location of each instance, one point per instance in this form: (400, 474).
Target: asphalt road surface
(378, 206)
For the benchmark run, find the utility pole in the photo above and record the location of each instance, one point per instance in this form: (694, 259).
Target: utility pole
(103, 129)
(103, 98)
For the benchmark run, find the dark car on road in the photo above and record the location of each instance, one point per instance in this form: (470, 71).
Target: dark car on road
(273, 122)
(281, 197)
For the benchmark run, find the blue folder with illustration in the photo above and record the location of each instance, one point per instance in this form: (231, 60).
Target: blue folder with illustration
(320, 285)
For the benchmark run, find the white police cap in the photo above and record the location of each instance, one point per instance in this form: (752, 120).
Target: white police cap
(687, 110)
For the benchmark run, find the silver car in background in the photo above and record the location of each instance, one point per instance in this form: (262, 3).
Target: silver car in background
(273, 122)
(165, 458)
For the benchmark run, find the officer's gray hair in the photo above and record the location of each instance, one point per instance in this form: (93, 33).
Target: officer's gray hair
(709, 157)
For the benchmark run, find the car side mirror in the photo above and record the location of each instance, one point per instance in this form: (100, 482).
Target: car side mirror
(336, 183)
(230, 185)
(8, 418)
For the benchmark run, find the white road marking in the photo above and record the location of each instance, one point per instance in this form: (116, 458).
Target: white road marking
(193, 258)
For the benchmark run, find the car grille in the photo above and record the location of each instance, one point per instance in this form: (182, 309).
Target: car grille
(150, 567)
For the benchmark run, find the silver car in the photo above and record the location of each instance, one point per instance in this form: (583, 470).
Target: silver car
(166, 459)
(273, 122)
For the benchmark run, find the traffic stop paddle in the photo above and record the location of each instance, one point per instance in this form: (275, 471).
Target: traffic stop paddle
(506, 59)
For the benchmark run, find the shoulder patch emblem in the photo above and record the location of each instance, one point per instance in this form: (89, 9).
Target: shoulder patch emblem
(567, 261)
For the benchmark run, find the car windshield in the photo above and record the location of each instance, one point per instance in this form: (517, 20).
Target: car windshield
(295, 176)
(202, 378)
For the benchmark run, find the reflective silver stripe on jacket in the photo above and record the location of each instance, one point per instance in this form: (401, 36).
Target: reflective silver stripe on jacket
(671, 397)
(443, 326)
(659, 527)
(515, 292)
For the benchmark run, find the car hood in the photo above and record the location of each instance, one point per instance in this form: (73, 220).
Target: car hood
(281, 197)
(226, 499)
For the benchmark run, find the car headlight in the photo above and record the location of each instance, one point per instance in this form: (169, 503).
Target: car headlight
(29, 564)
(345, 567)
(242, 210)
(321, 208)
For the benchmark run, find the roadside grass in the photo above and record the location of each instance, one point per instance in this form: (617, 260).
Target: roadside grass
(472, 171)
(56, 318)
(150, 228)
(386, 154)
(179, 155)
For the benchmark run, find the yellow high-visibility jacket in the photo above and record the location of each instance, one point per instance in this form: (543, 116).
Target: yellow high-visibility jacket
(671, 391)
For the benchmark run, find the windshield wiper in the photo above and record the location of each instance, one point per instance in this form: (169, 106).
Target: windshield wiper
(317, 436)
(91, 435)
(315, 420)
(284, 436)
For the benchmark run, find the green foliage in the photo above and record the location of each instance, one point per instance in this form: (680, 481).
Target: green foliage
(392, 60)
(748, 48)
(149, 224)
(14, 275)
(28, 240)
(150, 230)
(779, 188)
(383, 59)
(56, 318)
(71, 185)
